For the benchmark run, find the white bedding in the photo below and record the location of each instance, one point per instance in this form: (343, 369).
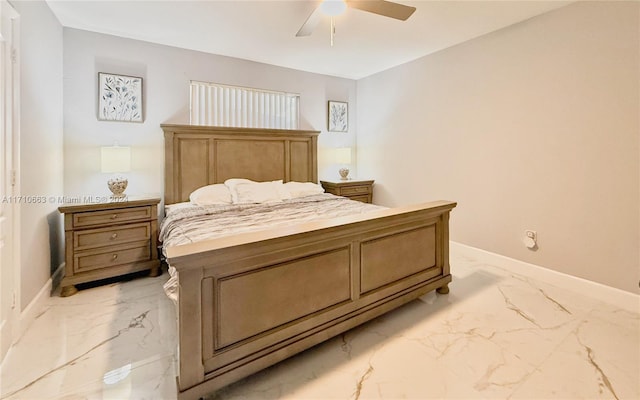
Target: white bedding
(188, 224)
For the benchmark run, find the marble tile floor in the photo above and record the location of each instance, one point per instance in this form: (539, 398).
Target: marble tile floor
(496, 335)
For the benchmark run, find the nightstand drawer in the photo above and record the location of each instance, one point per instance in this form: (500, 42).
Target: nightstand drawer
(93, 238)
(354, 190)
(85, 261)
(364, 199)
(91, 218)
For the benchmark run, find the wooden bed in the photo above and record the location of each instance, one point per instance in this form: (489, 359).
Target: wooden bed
(250, 300)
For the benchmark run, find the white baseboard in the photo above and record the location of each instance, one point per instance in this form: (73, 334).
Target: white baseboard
(620, 298)
(37, 305)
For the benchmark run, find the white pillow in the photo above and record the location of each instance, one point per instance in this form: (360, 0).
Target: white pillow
(231, 184)
(211, 194)
(262, 192)
(303, 189)
(284, 193)
(245, 191)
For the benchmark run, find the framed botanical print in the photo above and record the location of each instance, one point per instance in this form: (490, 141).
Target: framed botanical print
(338, 116)
(119, 98)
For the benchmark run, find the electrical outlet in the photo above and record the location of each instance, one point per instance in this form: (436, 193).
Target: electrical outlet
(531, 234)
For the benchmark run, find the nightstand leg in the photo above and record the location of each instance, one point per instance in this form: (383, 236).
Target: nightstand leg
(443, 290)
(155, 271)
(68, 291)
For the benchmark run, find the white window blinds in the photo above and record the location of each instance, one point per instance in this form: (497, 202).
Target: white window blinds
(223, 105)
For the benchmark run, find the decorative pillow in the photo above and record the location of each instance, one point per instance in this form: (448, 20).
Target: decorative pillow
(211, 194)
(302, 189)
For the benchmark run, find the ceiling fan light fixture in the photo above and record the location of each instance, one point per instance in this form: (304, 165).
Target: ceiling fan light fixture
(333, 7)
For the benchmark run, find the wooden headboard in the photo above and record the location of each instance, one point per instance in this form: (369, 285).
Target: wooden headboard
(196, 156)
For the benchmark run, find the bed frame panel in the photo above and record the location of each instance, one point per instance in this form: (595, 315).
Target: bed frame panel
(250, 300)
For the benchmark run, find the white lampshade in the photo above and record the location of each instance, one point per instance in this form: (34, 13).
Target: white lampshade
(116, 159)
(342, 155)
(333, 7)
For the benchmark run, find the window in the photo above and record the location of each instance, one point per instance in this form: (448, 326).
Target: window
(223, 105)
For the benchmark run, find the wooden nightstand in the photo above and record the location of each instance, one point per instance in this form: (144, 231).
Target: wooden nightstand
(103, 240)
(353, 189)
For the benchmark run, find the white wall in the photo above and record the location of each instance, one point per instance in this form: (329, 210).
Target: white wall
(535, 126)
(166, 72)
(40, 145)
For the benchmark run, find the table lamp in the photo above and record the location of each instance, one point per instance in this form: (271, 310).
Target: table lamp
(116, 159)
(343, 156)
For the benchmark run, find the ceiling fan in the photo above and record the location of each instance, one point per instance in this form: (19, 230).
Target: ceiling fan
(337, 7)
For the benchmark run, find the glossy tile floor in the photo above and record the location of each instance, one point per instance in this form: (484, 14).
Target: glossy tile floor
(495, 336)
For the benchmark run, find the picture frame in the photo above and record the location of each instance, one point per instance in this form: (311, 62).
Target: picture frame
(119, 98)
(338, 116)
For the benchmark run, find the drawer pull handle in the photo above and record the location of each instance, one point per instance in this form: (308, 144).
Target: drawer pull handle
(115, 235)
(114, 257)
(114, 216)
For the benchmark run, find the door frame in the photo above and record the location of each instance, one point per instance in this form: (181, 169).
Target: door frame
(11, 94)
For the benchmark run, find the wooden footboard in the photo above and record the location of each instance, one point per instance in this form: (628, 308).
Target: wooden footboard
(248, 301)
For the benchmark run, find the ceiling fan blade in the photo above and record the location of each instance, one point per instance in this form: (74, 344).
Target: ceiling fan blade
(385, 8)
(311, 23)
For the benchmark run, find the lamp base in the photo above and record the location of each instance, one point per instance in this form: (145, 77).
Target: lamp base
(344, 174)
(117, 185)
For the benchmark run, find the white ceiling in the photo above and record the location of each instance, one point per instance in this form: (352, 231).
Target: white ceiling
(264, 30)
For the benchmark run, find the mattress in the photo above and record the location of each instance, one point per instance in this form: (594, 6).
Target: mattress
(191, 223)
